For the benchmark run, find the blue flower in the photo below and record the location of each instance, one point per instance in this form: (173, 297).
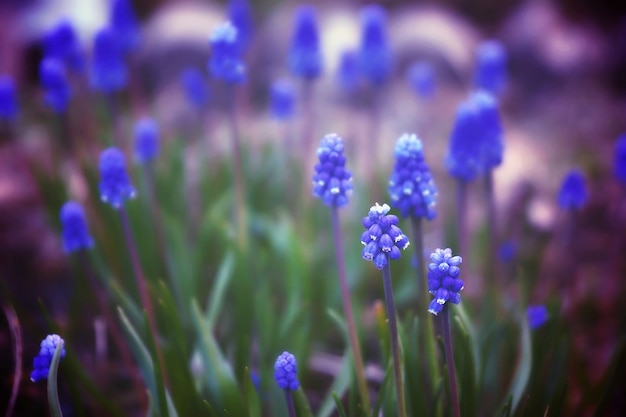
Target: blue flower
(332, 182)
(8, 99)
(348, 70)
(382, 237)
(619, 163)
(374, 53)
(286, 372)
(61, 43)
(537, 315)
(411, 187)
(75, 234)
(305, 57)
(573, 193)
(239, 13)
(54, 81)
(146, 140)
(507, 251)
(476, 144)
(195, 87)
(421, 78)
(108, 69)
(123, 20)
(282, 100)
(115, 186)
(491, 61)
(225, 62)
(443, 279)
(41, 362)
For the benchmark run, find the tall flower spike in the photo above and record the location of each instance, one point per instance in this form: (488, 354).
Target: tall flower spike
(573, 193)
(382, 237)
(348, 70)
(305, 56)
(115, 186)
(75, 234)
(421, 78)
(374, 53)
(619, 163)
(225, 62)
(123, 20)
(491, 62)
(41, 362)
(286, 372)
(476, 144)
(195, 87)
(8, 99)
(537, 315)
(411, 187)
(108, 69)
(240, 14)
(443, 279)
(146, 140)
(282, 100)
(332, 182)
(61, 43)
(54, 81)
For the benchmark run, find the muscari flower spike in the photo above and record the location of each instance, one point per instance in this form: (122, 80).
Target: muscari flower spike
(123, 20)
(286, 372)
(8, 99)
(411, 186)
(573, 193)
(41, 362)
(421, 78)
(115, 185)
(348, 70)
(239, 13)
(332, 182)
(282, 100)
(54, 81)
(195, 87)
(75, 234)
(443, 279)
(619, 162)
(382, 237)
(476, 144)
(146, 140)
(108, 69)
(226, 63)
(61, 43)
(537, 315)
(507, 251)
(491, 61)
(374, 53)
(305, 56)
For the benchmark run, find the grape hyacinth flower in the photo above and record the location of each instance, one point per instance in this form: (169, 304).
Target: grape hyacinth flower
(226, 63)
(507, 251)
(374, 53)
(43, 360)
(286, 372)
(305, 57)
(443, 279)
(411, 186)
(239, 13)
(61, 43)
(195, 87)
(54, 81)
(108, 69)
(8, 99)
(537, 315)
(573, 193)
(332, 182)
(619, 162)
(146, 140)
(382, 239)
(421, 78)
(75, 233)
(115, 185)
(491, 61)
(348, 70)
(123, 21)
(282, 100)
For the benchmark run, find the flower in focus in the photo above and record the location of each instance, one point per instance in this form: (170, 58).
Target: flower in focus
(443, 279)
(225, 62)
(146, 140)
(491, 63)
(374, 53)
(382, 238)
(115, 185)
(54, 81)
(305, 57)
(573, 193)
(41, 362)
(75, 234)
(282, 100)
(108, 69)
(421, 78)
(8, 99)
(195, 87)
(286, 372)
(537, 315)
(332, 182)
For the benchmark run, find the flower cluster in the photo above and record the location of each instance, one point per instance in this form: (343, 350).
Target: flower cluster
(55, 84)
(491, 63)
(348, 70)
(537, 315)
(282, 100)
(195, 87)
(123, 20)
(286, 372)
(8, 99)
(573, 193)
(146, 140)
(374, 53)
(382, 238)
(421, 78)
(41, 362)
(75, 233)
(332, 182)
(305, 57)
(108, 69)
(619, 163)
(225, 62)
(240, 14)
(115, 185)
(61, 43)
(443, 279)
(411, 186)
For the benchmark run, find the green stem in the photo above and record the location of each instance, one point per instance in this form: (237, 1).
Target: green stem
(447, 342)
(53, 392)
(240, 193)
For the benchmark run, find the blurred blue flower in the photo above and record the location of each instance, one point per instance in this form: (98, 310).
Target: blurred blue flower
(421, 78)
(491, 62)
(305, 56)
(348, 70)
(443, 279)
(286, 372)
(124, 22)
(41, 362)
(476, 143)
(8, 99)
(619, 163)
(382, 237)
(282, 100)
(115, 185)
(332, 182)
(411, 186)
(61, 43)
(75, 234)
(195, 87)
(374, 53)
(108, 69)
(226, 63)
(56, 87)
(239, 13)
(507, 251)
(573, 193)
(146, 140)
(537, 315)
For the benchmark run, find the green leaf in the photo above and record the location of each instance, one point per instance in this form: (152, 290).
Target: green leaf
(216, 298)
(524, 366)
(340, 410)
(303, 408)
(250, 395)
(53, 392)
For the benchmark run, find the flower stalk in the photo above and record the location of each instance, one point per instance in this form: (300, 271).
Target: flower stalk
(447, 342)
